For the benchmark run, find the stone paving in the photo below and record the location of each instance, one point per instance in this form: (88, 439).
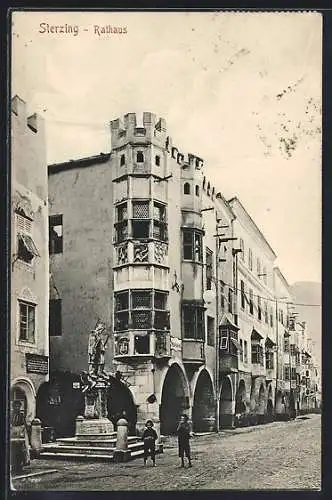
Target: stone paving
(279, 455)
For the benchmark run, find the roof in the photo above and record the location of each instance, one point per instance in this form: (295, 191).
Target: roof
(276, 269)
(78, 163)
(253, 223)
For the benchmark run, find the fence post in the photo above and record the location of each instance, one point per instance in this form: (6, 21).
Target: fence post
(121, 452)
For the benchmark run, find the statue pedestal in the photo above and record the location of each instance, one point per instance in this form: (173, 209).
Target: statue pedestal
(98, 429)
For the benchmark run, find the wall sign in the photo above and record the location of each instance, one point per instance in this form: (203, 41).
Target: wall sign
(35, 363)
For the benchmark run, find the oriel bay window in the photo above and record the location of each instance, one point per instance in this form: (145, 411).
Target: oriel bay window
(141, 310)
(193, 321)
(192, 245)
(229, 342)
(269, 359)
(121, 226)
(159, 222)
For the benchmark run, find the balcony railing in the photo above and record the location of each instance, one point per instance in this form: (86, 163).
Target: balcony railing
(228, 363)
(193, 351)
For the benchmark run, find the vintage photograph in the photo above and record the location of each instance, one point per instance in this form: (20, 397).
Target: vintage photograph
(165, 250)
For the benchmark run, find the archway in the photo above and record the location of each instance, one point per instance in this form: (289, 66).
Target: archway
(279, 406)
(23, 390)
(269, 406)
(59, 402)
(226, 410)
(174, 399)
(292, 407)
(203, 414)
(240, 405)
(120, 402)
(261, 404)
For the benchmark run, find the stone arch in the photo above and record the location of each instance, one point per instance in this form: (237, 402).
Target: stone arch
(203, 411)
(120, 402)
(26, 387)
(279, 405)
(226, 403)
(174, 399)
(269, 405)
(240, 398)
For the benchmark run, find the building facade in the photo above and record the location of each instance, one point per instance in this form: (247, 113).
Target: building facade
(29, 258)
(182, 278)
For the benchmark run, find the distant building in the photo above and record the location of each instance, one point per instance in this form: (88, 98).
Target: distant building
(29, 258)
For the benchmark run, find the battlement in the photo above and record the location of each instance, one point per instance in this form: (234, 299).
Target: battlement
(125, 130)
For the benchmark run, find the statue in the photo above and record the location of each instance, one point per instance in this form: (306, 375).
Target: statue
(98, 339)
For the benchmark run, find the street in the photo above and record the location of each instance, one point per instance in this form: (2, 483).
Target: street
(279, 455)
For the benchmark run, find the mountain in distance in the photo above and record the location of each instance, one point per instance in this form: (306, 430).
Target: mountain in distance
(310, 293)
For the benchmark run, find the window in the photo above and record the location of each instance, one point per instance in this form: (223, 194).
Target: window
(27, 322)
(141, 344)
(55, 323)
(139, 157)
(140, 299)
(197, 190)
(265, 275)
(292, 350)
(121, 311)
(141, 303)
(245, 353)
(286, 344)
(224, 343)
(229, 342)
(286, 372)
(250, 259)
(242, 248)
(269, 360)
(222, 295)
(157, 160)
(121, 231)
(55, 234)
(159, 212)
(266, 313)
(141, 229)
(141, 319)
(259, 308)
(251, 301)
(26, 248)
(210, 331)
(140, 209)
(243, 298)
(271, 317)
(256, 354)
(281, 316)
(186, 188)
(259, 271)
(230, 300)
(241, 349)
(209, 268)
(122, 160)
(192, 245)
(121, 212)
(293, 373)
(193, 322)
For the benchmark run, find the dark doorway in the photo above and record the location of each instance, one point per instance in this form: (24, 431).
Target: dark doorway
(203, 415)
(120, 403)
(226, 417)
(174, 400)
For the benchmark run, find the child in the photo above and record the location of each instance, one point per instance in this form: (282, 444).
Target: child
(149, 439)
(184, 434)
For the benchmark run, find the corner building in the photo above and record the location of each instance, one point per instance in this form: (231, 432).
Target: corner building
(29, 341)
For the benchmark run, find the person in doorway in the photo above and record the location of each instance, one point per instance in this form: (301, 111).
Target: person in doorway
(184, 435)
(149, 438)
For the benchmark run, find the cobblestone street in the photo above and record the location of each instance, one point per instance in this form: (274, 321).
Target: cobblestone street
(279, 455)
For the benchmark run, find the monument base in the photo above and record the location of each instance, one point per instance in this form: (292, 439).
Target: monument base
(96, 428)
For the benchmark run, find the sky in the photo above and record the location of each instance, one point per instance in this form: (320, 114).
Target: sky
(241, 90)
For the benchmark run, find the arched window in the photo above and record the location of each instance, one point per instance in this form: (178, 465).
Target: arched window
(197, 190)
(186, 188)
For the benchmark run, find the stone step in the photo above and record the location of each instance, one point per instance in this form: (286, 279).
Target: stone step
(76, 457)
(90, 442)
(95, 450)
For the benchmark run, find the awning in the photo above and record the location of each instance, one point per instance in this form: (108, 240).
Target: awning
(29, 244)
(269, 342)
(255, 335)
(236, 344)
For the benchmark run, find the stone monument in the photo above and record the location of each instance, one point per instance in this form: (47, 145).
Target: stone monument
(95, 382)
